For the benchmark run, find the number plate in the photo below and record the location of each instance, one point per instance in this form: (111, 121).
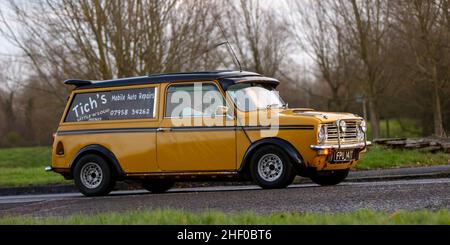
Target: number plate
(343, 155)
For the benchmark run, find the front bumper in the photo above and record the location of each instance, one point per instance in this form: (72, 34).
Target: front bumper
(322, 161)
(342, 146)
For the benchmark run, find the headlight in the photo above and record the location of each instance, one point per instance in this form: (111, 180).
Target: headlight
(360, 134)
(362, 125)
(342, 125)
(322, 134)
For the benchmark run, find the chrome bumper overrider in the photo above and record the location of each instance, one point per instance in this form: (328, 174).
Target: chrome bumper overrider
(48, 169)
(342, 146)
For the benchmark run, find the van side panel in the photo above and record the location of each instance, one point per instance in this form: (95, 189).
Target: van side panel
(136, 152)
(132, 141)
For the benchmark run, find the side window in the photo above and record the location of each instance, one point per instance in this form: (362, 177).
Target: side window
(113, 105)
(193, 100)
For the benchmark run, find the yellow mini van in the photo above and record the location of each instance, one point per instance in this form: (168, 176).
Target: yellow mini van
(220, 125)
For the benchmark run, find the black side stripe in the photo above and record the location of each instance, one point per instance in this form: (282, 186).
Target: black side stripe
(280, 127)
(106, 131)
(204, 128)
(183, 129)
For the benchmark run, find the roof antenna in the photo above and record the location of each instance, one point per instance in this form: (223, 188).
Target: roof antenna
(230, 48)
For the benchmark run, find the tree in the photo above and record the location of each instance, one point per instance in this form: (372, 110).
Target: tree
(8, 92)
(424, 26)
(319, 32)
(99, 40)
(366, 24)
(260, 37)
(109, 39)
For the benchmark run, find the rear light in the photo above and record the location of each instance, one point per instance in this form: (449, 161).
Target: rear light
(60, 149)
(54, 135)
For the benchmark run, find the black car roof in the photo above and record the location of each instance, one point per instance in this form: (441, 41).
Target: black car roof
(225, 78)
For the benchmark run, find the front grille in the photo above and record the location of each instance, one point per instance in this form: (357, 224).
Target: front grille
(349, 136)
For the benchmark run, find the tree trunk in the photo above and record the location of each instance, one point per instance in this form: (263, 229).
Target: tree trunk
(437, 112)
(29, 126)
(387, 128)
(8, 110)
(374, 119)
(336, 100)
(436, 103)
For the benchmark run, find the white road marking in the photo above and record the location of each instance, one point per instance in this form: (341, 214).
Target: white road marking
(401, 182)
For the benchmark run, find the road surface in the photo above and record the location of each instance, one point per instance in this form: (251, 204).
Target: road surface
(415, 194)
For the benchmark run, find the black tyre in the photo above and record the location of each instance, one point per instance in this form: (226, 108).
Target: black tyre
(157, 186)
(271, 168)
(93, 176)
(329, 177)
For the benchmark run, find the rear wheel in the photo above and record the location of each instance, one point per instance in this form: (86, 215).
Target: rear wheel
(93, 176)
(271, 168)
(329, 177)
(157, 186)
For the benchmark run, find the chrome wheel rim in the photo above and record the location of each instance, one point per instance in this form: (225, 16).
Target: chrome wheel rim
(91, 175)
(270, 167)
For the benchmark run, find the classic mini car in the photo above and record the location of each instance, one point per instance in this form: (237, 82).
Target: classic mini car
(219, 125)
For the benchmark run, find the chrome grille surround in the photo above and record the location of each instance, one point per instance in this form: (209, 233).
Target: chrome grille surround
(336, 136)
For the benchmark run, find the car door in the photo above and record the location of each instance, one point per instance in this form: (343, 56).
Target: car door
(192, 136)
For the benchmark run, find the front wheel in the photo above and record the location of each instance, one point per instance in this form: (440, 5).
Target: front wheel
(93, 176)
(329, 177)
(271, 168)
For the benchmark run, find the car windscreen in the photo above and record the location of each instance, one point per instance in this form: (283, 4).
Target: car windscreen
(254, 96)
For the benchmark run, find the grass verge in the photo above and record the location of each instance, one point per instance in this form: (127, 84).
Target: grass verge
(25, 166)
(383, 157)
(169, 217)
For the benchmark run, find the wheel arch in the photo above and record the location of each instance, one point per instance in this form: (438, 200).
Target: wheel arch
(101, 151)
(293, 154)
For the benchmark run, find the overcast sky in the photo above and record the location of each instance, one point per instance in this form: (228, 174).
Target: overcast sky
(6, 48)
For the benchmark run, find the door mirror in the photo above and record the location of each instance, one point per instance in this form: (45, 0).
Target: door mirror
(221, 110)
